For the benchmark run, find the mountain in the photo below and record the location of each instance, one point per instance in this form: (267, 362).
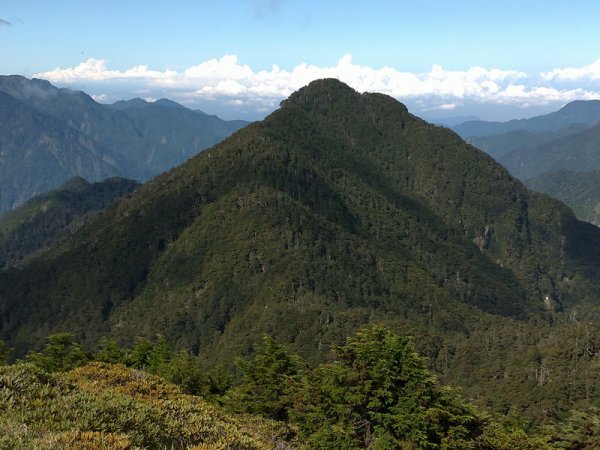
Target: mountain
(173, 133)
(48, 135)
(454, 120)
(48, 218)
(500, 145)
(338, 210)
(579, 112)
(565, 139)
(579, 190)
(576, 152)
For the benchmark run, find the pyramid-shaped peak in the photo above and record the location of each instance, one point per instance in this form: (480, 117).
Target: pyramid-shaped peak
(327, 89)
(321, 95)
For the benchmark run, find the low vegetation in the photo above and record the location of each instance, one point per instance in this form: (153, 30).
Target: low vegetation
(374, 393)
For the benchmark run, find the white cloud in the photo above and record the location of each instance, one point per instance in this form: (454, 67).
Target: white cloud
(238, 85)
(446, 106)
(100, 98)
(589, 72)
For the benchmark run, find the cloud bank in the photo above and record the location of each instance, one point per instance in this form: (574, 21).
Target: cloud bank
(588, 73)
(249, 93)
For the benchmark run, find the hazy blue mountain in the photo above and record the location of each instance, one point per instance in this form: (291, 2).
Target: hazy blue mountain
(498, 145)
(577, 152)
(48, 135)
(454, 120)
(579, 112)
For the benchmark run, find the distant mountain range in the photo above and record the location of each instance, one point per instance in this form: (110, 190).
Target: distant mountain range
(575, 113)
(45, 220)
(48, 135)
(454, 120)
(576, 152)
(338, 210)
(579, 190)
(552, 149)
(527, 147)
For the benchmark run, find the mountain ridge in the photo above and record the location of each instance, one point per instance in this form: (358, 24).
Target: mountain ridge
(46, 219)
(579, 190)
(575, 152)
(585, 112)
(49, 134)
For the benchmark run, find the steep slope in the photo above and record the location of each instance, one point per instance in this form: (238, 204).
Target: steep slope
(39, 152)
(172, 132)
(499, 145)
(579, 190)
(47, 219)
(576, 152)
(48, 135)
(337, 210)
(575, 113)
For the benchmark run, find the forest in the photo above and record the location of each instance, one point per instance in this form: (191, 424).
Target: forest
(375, 392)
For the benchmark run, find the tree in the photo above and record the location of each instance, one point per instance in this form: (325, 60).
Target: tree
(60, 354)
(269, 379)
(159, 358)
(4, 353)
(139, 356)
(581, 430)
(378, 394)
(110, 351)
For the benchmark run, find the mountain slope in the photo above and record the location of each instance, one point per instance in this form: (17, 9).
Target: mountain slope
(173, 133)
(576, 152)
(575, 113)
(499, 145)
(46, 219)
(337, 210)
(48, 135)
(579, 190)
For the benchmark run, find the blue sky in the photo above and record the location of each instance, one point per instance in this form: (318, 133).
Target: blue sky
(494, 59)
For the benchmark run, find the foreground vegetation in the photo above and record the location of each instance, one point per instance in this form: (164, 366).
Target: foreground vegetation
(374, 393)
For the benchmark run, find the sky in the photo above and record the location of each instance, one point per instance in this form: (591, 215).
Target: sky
(496, 60)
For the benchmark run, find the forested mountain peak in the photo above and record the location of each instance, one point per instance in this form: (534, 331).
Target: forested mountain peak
(337, 210)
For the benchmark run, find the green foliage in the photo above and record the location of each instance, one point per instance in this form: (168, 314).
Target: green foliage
(269, 380)
(47, 219)
(181, 368)
(110, 406)
(60, 354)
(110, 352)
(4, 353)
(580, 430)
(497, 438)
(378, 394)
(579, 190)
